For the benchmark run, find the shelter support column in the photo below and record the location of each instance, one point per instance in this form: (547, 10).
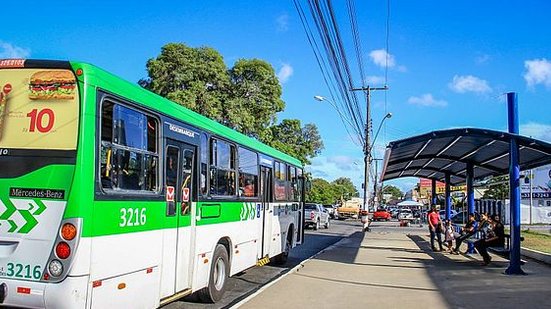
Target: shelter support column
(470, 197)
(514, 186)
(434, 200)
(448, 197)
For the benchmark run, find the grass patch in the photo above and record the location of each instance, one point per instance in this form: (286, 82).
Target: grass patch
(536, 241)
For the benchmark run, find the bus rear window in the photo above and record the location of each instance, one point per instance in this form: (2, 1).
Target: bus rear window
(38, 109)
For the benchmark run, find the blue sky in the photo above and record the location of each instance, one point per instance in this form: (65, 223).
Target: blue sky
(451, 62)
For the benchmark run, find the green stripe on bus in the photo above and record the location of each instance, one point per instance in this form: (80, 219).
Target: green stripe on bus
(120, 217)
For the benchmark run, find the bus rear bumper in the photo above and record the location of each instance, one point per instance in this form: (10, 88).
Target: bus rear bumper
(70, 293)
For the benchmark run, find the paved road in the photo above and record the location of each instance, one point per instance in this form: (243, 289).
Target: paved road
(242, 285)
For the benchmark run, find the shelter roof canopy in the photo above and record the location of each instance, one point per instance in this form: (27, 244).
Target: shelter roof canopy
(434, 154)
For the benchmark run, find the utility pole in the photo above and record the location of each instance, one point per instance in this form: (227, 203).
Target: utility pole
(367, 147)
(376, 197)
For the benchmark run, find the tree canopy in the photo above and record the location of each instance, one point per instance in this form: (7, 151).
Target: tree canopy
(245, 97)
(498, 188)
(394, 191)
(325, 192)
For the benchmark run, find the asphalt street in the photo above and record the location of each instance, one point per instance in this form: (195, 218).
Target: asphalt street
(242, 285)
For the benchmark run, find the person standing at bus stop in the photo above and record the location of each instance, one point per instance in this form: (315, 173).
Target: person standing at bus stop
(435, 228)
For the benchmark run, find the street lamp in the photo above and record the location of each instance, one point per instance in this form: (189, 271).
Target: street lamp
(343, 118)
(388, 115)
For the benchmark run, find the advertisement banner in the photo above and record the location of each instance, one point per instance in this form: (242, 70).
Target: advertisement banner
(38, 109)
(425, 188)
(540, 180)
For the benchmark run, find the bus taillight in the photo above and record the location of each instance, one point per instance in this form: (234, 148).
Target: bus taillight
(55, 268)
(68, 231)
(312, 215)
(62, 250)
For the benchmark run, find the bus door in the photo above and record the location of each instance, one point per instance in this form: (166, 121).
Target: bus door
(267, 211)
(180, 187)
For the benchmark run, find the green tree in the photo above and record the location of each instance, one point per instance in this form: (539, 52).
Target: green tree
(302, 143)
(193, 77)
(345, 188)
(246, 97)
(394, 191)
(255, 97)
(321, 192)
(498, 188)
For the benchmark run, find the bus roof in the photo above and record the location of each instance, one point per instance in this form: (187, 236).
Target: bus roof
(107, 81)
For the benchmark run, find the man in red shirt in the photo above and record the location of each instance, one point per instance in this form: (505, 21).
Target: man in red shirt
(435, 228)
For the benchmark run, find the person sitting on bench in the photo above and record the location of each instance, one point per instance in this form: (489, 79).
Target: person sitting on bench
(467, 231)
(492, 238)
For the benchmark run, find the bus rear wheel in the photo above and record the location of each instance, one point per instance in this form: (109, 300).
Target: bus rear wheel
(284, 256)
(219, 273)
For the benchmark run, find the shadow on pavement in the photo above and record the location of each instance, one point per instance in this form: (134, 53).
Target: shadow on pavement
(243, 284)
(463, 282)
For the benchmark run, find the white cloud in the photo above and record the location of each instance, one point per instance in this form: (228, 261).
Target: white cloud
(8, 50)
(285, 73)
(427, 100)
(538, 71)
(375, 80)
(331, 168)
(469, 83)
(481, 59)
(380, 58)
(344, 163)
(536, 130)
(282, 22)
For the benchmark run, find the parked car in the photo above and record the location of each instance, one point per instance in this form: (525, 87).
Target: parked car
(442, 214)
(460, 218)
(394, 212)
(331, 210)
(405, 214)
(315, 216)
(381, 214)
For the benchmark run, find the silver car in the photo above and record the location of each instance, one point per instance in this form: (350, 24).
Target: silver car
(315, 215)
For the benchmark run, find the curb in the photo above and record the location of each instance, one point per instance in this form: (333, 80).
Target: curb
(292, 270)
(536, 255)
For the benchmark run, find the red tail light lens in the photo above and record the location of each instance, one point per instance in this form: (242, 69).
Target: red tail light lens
(312, 215)
(62, 250)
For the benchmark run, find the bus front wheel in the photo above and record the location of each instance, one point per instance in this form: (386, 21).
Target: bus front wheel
(219, 273)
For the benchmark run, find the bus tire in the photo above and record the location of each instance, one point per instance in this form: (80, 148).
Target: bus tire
(282, 258)
(218, 277)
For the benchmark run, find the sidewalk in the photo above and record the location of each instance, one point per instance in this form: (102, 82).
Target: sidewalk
(392, 269)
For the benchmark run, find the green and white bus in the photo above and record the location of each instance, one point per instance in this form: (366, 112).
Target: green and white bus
(114, 197)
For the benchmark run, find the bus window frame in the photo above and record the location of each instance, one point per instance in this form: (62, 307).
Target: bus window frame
(102, 193)
(257, 184)
(219, 197)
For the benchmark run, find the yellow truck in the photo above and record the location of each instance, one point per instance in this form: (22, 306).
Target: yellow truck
(350, 208)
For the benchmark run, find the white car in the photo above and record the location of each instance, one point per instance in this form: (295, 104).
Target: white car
(405, 214)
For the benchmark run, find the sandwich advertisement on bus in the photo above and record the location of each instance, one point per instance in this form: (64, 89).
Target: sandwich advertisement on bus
(38, 109)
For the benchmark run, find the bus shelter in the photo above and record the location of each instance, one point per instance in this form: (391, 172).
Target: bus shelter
(462, 156)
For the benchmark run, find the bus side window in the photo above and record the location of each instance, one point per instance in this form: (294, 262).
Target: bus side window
(129, 154)
(248, 173)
